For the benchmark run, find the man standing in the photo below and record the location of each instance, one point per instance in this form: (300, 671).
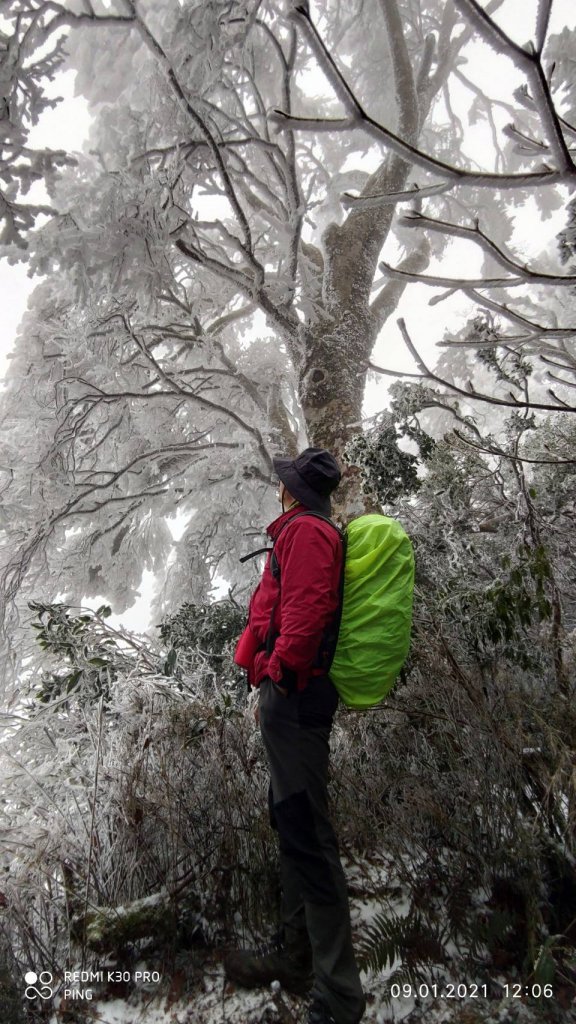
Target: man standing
(283, 648)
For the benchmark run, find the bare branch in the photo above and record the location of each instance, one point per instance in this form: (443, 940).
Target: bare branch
(451, 282)
(358, 118)
(69, 18)
(542, 21)
(491, 32)
(153, 44)
(529, 62)
(327, 62)
(561, 380)
(387, 299)
(173, 384)
(476, 235)
(488, 450)
(287, 64)
(396, 373)
(369, 202)
(472, 393)
(479, 282)
(223, 321)
(537, 330)
(285, 321)
(404, 85)
(455, 175)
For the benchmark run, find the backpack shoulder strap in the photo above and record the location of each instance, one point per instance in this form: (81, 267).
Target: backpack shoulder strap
(330, 638)
(274, 565)
(262, 551)
(252, 554)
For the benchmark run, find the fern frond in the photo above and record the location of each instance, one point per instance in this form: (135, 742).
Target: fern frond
(410, 939)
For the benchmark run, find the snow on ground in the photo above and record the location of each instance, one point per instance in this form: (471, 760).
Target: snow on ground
(218, 1002)
(200, 993)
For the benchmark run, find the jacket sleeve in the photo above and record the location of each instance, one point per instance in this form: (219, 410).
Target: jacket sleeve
(309, 559)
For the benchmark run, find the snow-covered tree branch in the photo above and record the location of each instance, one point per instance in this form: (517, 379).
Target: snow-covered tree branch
(213, 268)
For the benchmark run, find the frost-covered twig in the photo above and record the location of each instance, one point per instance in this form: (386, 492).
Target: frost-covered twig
(436, 281)
(454, 175)
(493, 450)
(427, 374)
(359, 118)
(528, 60)
(475, 234)
(537, 330)
(369, 202)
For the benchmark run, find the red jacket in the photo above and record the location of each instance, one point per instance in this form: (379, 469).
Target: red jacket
(306, 598)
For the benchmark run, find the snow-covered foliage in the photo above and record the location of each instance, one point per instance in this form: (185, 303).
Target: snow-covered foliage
(137, 771)
(28, 61)
(156, 786)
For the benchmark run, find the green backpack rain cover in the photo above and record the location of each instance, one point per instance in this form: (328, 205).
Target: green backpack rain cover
(374, 634)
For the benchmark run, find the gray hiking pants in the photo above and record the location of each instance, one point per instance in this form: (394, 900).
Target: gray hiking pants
(296, 730)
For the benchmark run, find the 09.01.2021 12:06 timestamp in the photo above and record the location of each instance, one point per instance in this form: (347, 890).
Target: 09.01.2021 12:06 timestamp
(469, 991)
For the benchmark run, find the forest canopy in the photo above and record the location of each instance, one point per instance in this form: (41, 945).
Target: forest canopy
(218, 264)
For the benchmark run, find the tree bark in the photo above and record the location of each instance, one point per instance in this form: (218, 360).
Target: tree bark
(332, 377)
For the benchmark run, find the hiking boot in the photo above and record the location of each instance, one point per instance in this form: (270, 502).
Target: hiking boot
(292, 967)
(318, 1013)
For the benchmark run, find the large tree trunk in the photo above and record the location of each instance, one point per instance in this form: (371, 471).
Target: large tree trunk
(338, 346)
(331, 391)
(332, 377)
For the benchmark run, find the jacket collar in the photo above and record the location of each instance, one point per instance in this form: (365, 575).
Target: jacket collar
(274, 529)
